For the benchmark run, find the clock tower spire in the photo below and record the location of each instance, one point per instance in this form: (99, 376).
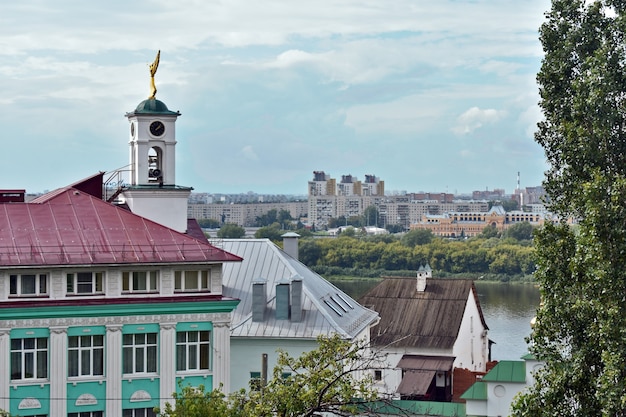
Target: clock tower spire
(152, 191)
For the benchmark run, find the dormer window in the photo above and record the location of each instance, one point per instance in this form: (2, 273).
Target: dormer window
(84, 283)
(139, 281)
(28, 285)
(192, 280)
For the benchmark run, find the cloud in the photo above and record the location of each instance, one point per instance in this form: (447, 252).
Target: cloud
(476, 118)
(249, 154)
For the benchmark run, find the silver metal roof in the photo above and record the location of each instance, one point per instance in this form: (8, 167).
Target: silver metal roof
(326, 309)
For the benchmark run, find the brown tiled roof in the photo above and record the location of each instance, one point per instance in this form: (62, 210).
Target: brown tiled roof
(72, 227)
(427, 320)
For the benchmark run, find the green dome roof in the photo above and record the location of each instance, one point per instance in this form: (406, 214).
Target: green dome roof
(153, 106)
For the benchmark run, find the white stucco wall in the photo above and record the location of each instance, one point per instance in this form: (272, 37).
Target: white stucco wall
(246, 353)
(471, 348)
(500, 396)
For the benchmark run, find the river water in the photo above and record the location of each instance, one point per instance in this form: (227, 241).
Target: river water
(508, 310)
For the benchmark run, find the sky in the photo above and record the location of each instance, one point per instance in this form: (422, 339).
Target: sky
(431, 96)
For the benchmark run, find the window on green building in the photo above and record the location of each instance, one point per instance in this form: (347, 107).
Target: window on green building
(29, 358)
(85, 355)
(138, 412)
(139, 353)
(193, 350)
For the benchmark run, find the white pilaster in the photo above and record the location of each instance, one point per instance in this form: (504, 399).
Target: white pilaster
(5, 358)
(113, 370)
(221, 357)
(58, 370)
(167, 363)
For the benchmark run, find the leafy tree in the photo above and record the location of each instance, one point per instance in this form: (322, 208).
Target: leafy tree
(197, 402)
(417, 237)
(272, 232)
(209, 223)
(520, 231)
(284, 218)
(370, 216)
(349, 232)
(395, 228)
(271, 216)
(309, 252)
(489, 232)
(332, 379)
(231, 231)
(580, 330)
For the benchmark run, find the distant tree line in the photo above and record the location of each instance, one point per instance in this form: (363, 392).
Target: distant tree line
(505, 257)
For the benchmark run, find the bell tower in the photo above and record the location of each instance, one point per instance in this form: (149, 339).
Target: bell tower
(152, 144)
(152, 191)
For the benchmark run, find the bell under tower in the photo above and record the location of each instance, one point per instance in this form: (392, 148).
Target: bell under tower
(152, 191)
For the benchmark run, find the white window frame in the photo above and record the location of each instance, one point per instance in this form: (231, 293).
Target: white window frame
(30, 358)
(77, 282)
(140, 281)
(88, 354)
(138, 412)
(142, 350)
(192, 280)
(86, 414)
(193, 351)
(17, 282)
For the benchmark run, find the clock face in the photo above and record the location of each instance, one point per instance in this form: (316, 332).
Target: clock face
(132, 130)
(157, 128)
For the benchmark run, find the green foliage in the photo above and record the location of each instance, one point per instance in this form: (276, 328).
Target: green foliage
(309, 252)
(489, 232)
(417, 237)
(580, 332)
(520, 231)
(272, 232)
(360, 256)
(370, 216)
(329, 379)
(282, 217)
(209, 223)
(231, 231)
(197, 402)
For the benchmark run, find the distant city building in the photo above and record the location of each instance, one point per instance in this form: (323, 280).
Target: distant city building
(496, 194)
(468, 224)
(244, 215)
(329, 198)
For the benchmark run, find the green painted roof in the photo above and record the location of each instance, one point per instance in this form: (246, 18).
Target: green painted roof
(478, 391)
(529, 357)
(507, 371)
(153, 106)
(420, 408)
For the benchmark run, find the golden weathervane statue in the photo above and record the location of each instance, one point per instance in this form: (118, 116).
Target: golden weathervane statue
(153, 70)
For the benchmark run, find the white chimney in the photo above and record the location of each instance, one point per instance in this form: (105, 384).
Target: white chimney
(290, 244)
(422, 274)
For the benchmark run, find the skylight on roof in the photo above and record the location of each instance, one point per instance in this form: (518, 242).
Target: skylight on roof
(350, 306)
(339, 313)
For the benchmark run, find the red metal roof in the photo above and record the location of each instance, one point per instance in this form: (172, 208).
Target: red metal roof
(71, 227)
